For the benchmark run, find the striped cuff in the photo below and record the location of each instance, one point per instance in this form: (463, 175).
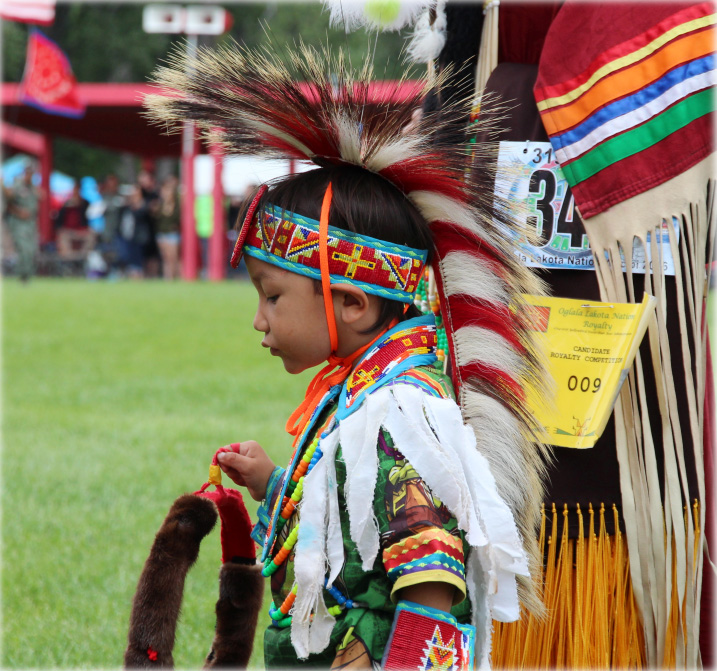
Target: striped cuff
(432, 555)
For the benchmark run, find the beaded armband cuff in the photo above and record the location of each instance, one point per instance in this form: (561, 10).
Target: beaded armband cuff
(427, 638)
(258, 533)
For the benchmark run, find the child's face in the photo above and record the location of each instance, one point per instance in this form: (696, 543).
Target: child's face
(291, 316)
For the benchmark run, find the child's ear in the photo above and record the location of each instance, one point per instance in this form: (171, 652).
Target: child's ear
(351, 302)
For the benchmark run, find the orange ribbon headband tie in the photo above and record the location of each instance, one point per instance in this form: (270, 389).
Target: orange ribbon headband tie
(337, 369)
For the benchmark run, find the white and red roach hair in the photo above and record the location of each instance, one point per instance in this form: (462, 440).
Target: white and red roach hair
(317, 108)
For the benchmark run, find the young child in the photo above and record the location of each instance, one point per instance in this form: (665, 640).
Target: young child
(385, 539)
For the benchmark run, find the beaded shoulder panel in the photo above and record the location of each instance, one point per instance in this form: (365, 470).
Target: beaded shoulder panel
(407, 346)
(430, 379)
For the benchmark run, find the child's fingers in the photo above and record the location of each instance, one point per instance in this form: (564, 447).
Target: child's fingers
(233, 475)
(233, 460)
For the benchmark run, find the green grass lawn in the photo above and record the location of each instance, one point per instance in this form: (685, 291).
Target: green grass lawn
(115, 397)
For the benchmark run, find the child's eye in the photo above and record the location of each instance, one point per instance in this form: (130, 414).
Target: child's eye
(272, 299)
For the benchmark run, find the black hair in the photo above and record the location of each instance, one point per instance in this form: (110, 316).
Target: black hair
(363, 202)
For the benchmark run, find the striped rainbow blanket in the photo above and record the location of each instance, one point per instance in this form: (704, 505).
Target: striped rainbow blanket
(626, 95)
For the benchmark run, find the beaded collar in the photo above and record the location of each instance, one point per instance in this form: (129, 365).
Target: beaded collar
(291, 241)
(409, 344)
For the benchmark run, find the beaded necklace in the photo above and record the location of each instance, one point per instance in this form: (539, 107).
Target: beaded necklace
(280, 616)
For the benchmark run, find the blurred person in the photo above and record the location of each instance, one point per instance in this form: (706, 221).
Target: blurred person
(134, 233)
(148, 186)
(22, 208)
(204, 222)
(150, 250)
(168, 227)
(113, 203)
(74, 236)
(237, 204)
(233, 209)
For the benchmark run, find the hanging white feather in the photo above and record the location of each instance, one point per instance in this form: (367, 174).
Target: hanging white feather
(429, 35)
(383, 15)
(361, 473)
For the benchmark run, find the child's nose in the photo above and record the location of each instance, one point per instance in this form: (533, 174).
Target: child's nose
(260, 323)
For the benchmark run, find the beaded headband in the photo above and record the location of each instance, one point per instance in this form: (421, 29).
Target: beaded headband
(291, 241)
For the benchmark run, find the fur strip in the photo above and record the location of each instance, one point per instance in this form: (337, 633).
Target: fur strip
(157, 601)
(241, 591)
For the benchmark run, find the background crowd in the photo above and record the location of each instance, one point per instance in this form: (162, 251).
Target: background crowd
(133, 231)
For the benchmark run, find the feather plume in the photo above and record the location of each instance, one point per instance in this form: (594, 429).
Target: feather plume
(381, 15)
(318, 108)
(429, 35)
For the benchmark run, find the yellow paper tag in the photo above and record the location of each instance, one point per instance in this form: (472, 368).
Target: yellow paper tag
(590, 348)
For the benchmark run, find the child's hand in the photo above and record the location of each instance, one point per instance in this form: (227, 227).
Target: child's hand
(250, 467)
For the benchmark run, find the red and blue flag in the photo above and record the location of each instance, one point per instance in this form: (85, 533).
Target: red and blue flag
(48, 83)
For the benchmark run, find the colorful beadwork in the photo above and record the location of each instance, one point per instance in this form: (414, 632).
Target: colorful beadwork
(271, 566)
(430, 385)
(431, 552)
(428, 303)
(293, 500)
(425, 638)
(282, 611)
(291, 241)
(382, 359)
(343, 602)
(295, 488)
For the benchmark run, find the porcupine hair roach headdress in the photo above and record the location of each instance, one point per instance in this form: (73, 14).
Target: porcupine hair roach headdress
(318, 108)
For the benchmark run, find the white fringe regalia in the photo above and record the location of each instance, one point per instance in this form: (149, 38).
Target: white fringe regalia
(429, 432)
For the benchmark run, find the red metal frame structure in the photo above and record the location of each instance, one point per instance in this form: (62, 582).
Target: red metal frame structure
(114, 121)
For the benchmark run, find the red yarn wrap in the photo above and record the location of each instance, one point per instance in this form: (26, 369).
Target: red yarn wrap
(236, 523)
